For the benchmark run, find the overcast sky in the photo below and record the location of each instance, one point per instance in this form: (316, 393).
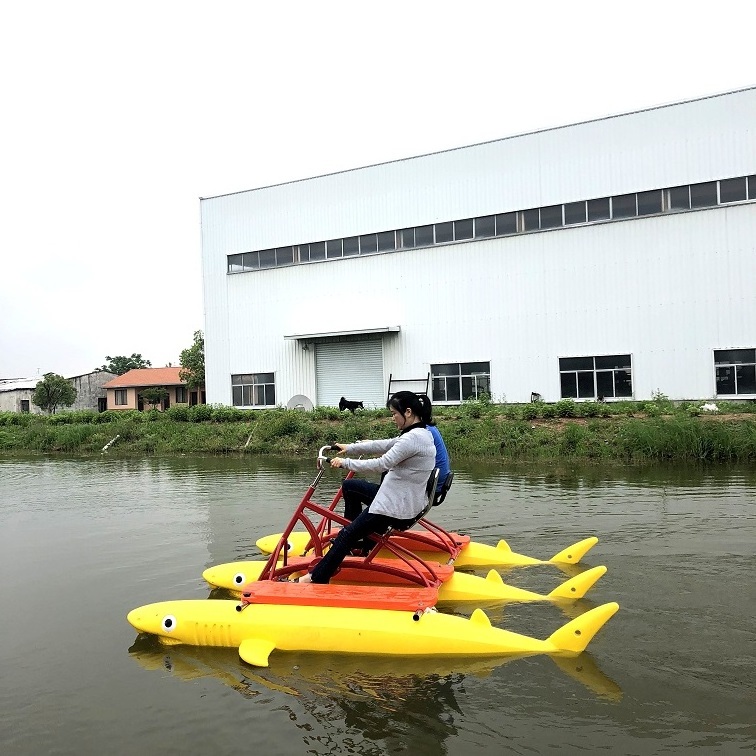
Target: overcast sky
(117, 117)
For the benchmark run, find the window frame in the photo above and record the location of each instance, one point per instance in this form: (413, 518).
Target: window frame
(583, 373)
(738, 367)
(479, 380)
(120, 397)
(249, 385)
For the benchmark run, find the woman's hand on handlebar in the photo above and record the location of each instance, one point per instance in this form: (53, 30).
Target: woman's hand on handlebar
(340, 447)
(336, 461)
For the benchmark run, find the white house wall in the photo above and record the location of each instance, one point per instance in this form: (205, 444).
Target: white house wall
(667, 289)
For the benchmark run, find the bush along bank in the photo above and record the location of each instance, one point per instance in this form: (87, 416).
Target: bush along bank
(658, 430)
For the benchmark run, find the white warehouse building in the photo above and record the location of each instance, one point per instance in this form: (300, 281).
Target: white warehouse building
(609, 259)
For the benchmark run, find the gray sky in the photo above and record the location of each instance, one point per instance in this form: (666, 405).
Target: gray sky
(117, 117)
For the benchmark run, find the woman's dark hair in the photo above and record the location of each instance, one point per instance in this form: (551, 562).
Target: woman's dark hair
(420, 404)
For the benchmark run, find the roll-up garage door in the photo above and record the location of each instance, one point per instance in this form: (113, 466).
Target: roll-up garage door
(352, 369)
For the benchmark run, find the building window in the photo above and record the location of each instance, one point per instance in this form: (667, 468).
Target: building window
(457, 381)
(180, 394)
(25, 405)
(253, 390)
(618, 207)
(120, 397)
(735, 371)
(606, 377)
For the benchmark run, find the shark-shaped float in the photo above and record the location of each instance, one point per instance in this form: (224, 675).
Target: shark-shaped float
(262, 628)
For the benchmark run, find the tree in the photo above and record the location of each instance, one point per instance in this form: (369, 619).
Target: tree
(121, 364)
(53, 391)
(154, 395)
(193, 363)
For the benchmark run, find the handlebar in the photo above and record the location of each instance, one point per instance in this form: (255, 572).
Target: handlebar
(322, 457)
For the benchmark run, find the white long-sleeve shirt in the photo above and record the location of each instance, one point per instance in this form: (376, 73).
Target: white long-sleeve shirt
(408, 460)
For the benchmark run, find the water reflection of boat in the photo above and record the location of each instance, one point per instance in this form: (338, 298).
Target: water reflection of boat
(363, 677)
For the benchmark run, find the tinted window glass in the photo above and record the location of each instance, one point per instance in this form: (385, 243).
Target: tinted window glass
(623, 384)
(745, 376)
(317, 251)
(351, 246)
(485, 226)
(368, 244)
(235, 263)
(470, 368)
(734, 356)
(613, 361)
(585, 385)
(284, 255)
(733, 190)
(386, 241)
(451, 368)
(506, 223)
(605, 383)
(444, 232)
(406, 238)
(574, 212)
(569, 385)
(304, 252)
(267, 258)
(679, 198)
(463, 229)
(703, 195)
(333, 248)
(649, 202)
(752, 187)
(251, 260)
(531, 220)
(598, 209)
(623, 206)
(423, 236)
(725, 380)
(576, 363)
(551, 216)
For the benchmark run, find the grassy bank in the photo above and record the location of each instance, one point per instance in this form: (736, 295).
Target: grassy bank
(625, 431)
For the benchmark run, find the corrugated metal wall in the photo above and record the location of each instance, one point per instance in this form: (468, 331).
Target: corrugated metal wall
(666, 289)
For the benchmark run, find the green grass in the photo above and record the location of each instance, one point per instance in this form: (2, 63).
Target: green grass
(658, 431)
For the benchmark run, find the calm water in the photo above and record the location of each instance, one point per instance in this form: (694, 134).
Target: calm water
(83, 542)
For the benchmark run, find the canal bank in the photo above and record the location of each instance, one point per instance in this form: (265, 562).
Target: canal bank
(627, 432)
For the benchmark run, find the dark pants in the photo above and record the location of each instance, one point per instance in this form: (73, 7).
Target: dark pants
(357, 494)
(350, 536)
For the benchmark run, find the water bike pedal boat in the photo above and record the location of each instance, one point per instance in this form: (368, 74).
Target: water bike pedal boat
(252, 580)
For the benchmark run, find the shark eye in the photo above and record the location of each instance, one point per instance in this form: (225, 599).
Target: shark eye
(168, 623)
(240, 579)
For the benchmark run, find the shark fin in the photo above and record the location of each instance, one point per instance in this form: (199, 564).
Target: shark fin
(255, 651)
(479, 617)
(494, 577)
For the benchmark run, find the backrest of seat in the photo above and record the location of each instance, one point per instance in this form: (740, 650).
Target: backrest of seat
(441, 495)
(430, 493)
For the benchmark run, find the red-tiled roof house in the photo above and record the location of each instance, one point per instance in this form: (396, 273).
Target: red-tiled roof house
(124, 392)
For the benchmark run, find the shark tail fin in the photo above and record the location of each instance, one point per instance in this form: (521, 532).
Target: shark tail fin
(573, 554)
(573, 637)
(577, 587)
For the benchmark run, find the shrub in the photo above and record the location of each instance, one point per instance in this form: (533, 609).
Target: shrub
(200, 413)
(565, 408)
(178, 413)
